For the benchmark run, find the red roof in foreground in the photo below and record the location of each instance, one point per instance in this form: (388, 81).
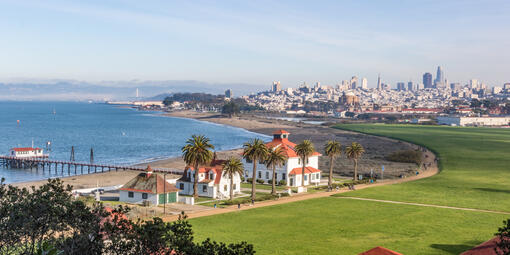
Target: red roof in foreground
(308, 170)
(380, 251)
(25, 149)
(486, 248)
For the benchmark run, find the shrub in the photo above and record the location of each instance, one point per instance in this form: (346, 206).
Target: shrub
(260, 181)
(282, 182)
(407, 156)
(242, 178)
(249, 180)
(270, 181)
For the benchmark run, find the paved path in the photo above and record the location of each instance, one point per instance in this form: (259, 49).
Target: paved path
(425, 205)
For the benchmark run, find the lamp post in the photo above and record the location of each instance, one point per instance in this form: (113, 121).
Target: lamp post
(164, 191)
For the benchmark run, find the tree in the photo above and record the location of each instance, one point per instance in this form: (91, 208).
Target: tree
(197, 152)
(304, 150)
(232, 167)
(254, 152)
(230, 108)
(332, 149)
(275, 158)
(48, 220)
(503, 241)
(354, 152)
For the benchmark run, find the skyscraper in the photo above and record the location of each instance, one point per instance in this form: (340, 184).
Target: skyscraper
(354, 82)
(439, 76)
(410, 86)
(364, 83)
(229, 93)
(379, 84)
(276, 86)
(427, 80)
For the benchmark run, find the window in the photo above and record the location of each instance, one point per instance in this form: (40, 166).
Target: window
(299, 161)
(181, 186)
(224, 187)
(308, 161)
(249, 161)
(131, 194)
(313, 176)
(211, 176)
(283, 176)
(267, 175)
(317, 176)
(234, 187)
(260, 175)
(144, 196)
(306, 177)
(204, 188)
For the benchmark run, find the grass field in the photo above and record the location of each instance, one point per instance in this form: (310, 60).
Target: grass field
(475, 164)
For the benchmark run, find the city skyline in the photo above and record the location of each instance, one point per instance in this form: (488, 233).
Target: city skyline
(250, 43)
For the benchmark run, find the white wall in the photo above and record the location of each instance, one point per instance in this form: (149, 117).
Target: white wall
(137, 197)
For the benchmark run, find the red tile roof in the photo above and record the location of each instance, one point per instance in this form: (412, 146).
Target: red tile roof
(287, 146)
(279, 132)
(25, 149)
(486, 248)
(380, 251)
(308, 170)
(149, 183)
(215, 167)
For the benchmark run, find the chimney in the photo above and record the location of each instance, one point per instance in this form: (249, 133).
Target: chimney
(148, 171)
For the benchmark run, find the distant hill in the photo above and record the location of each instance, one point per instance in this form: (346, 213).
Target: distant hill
(70, 90)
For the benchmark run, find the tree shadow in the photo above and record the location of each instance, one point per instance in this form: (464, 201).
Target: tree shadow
(456, 248)
(494, 190)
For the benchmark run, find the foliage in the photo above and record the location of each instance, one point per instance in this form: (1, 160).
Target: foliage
(332, 149)
(260, 181)
(304, 150)
(230, 108)
(503, 239)
(197, 152)
(254, 151)
(282, 182)
(354, 152)
(275, 158)
(47, 220)
(406, 156)
(232, 167)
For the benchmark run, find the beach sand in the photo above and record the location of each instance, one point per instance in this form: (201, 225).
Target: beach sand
(376, 148)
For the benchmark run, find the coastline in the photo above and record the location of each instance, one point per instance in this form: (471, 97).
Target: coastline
(376, 148)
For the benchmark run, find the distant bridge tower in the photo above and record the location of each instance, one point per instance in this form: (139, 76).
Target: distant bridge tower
(137, 94)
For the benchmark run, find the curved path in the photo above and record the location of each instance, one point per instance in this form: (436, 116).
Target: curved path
(432, 170)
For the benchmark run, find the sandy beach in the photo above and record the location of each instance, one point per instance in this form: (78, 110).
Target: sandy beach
(376, 148)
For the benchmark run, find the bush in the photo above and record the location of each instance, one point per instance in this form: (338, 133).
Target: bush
(249, 180)
(282, 182)
(270, 181)
(407, 156)
(242, 178)
(260, 181)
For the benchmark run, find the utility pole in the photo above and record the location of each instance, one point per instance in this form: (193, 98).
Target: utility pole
(91, 155)
(72, 154)
(164, 191)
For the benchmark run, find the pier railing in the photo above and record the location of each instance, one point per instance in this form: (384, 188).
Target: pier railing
(46, 164)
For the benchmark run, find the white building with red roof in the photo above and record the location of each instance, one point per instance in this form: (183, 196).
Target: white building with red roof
(27, 152)
(291, 171)
(211, 181)
(148, 186)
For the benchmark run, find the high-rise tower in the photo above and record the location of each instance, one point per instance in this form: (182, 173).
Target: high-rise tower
(379, 84)
(427, 80)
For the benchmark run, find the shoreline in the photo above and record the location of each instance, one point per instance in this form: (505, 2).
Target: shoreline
(319, 134)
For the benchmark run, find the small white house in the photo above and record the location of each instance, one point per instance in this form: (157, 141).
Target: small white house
(211, 182)
(27, 152)
(291, 171)
(150, 187)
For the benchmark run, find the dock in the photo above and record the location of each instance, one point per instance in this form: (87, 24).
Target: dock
(71, 167)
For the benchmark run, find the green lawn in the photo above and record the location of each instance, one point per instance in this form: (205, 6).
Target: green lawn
(475, 165)
(262, 186)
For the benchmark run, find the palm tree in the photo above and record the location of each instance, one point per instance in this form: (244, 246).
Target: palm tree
(254, 151)
(305, 149)
(195, 153)
(231, 167)
(354, 152)
(275, 158)
(332, 149)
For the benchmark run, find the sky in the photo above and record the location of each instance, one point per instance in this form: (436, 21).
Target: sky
(255, 42)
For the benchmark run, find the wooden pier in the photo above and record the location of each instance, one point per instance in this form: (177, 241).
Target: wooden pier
(71, 167)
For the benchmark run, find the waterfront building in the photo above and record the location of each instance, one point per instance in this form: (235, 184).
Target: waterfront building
(291, 171)
(148, 187)
(211, 181)
(27, 152)
(427, 80)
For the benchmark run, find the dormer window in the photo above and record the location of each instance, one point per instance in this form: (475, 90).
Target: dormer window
(211, 176)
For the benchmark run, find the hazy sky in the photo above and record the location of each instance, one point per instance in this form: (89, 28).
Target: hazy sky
(255, 41)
